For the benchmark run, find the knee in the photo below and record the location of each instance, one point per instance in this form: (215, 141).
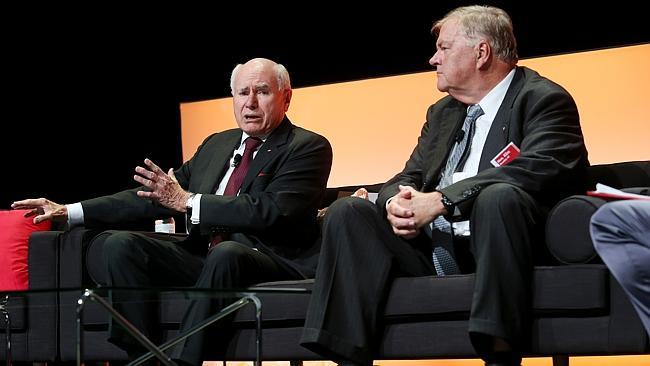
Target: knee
(499, 196)
(610, 215)
(119, 245)
(226, 254)
(345, 207)
(605, 227)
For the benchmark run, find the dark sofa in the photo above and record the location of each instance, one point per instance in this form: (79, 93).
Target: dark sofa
(579, 308)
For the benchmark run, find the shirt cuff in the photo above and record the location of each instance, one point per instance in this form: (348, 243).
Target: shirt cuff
(196, 209)
(388, 201)
(75, 214)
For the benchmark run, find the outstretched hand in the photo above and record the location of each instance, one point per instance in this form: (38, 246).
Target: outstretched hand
(42, 209)
(164, 186)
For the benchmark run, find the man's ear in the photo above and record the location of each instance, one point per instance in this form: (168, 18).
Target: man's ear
(483, 53)
(287, 98)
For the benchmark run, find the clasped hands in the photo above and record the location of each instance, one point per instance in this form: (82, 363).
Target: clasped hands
(409, 210)
(164, 187)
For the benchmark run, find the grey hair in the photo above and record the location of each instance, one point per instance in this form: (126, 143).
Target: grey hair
(485, 21)
(281, 73)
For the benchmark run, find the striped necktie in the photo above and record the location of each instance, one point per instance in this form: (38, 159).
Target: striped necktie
(443, 259)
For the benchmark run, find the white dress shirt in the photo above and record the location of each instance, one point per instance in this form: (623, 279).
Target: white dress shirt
(490, 105)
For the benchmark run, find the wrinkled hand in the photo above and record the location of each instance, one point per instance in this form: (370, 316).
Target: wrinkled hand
(361, 193)
(164, 186)
(43, 209)
(401, 216)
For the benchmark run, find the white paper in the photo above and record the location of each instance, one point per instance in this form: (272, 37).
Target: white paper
(602, 188)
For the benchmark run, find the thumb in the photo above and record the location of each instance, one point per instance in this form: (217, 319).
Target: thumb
(40, 218)
(405, 191)
(171, 174)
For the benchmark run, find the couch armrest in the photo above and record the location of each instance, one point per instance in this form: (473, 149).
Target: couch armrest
(42, 322)
(43, 259)
(567, 229)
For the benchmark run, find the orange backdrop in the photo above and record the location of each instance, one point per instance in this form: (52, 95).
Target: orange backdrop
(373, 124)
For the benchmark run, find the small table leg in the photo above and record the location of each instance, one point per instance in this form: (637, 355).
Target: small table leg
(158, 351)
(3, 309)
(164, 359)
(248, 298)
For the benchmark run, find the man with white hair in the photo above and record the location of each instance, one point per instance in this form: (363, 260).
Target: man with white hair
(251, 195)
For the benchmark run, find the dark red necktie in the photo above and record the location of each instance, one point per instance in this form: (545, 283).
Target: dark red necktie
(237, 178)
(238, 175)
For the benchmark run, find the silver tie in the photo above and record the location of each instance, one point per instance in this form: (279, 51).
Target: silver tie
(442, 258)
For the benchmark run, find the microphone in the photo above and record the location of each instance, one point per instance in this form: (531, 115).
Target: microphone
(236, 160)
(459, 136)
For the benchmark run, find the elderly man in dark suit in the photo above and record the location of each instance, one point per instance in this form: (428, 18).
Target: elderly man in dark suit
(251, 195)
(502, 147)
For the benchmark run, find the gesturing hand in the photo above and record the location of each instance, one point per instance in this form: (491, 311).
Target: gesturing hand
(43, 209)
(164, 186)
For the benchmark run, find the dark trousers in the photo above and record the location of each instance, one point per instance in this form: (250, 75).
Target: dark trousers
(360, 256)
(135, 260)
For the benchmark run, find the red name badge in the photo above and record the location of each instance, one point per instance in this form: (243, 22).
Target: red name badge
(505, 156)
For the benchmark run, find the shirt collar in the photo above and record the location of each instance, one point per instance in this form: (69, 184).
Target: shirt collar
(244, 136)
(492, 101)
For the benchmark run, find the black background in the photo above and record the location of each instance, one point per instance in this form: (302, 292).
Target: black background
(89, 93)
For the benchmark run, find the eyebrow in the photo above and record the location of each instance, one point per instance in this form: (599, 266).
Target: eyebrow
(262, 86)
(257, 87)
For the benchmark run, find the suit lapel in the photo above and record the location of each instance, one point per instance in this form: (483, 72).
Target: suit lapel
(498, 134)
(448, 126)
(219, 162)
(267, 152)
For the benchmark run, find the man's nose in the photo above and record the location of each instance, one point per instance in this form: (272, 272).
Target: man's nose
(251, 101)
(433, 61)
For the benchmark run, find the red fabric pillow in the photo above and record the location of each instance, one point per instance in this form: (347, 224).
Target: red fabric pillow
(14, 235)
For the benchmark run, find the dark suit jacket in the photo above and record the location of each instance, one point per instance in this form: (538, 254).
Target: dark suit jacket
(275, 210)
(539, 116)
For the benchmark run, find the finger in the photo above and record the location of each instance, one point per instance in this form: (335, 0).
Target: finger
(405, 192)
(28, 203)
(397, 210)
(145, 182)
(145, 194)
(145, 172)
(402, 223)
(407, 234)
(154, 168)
(40, 218)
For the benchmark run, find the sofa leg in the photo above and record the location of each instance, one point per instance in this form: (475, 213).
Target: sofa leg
(560, 360)
(295, 363)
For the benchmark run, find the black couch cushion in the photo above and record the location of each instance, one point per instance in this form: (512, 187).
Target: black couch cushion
(567, 229)
(621, 175)
(558, 290)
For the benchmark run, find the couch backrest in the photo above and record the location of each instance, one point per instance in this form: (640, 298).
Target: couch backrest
(621, 175)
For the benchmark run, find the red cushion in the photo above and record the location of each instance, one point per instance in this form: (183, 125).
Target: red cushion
(14, 236)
